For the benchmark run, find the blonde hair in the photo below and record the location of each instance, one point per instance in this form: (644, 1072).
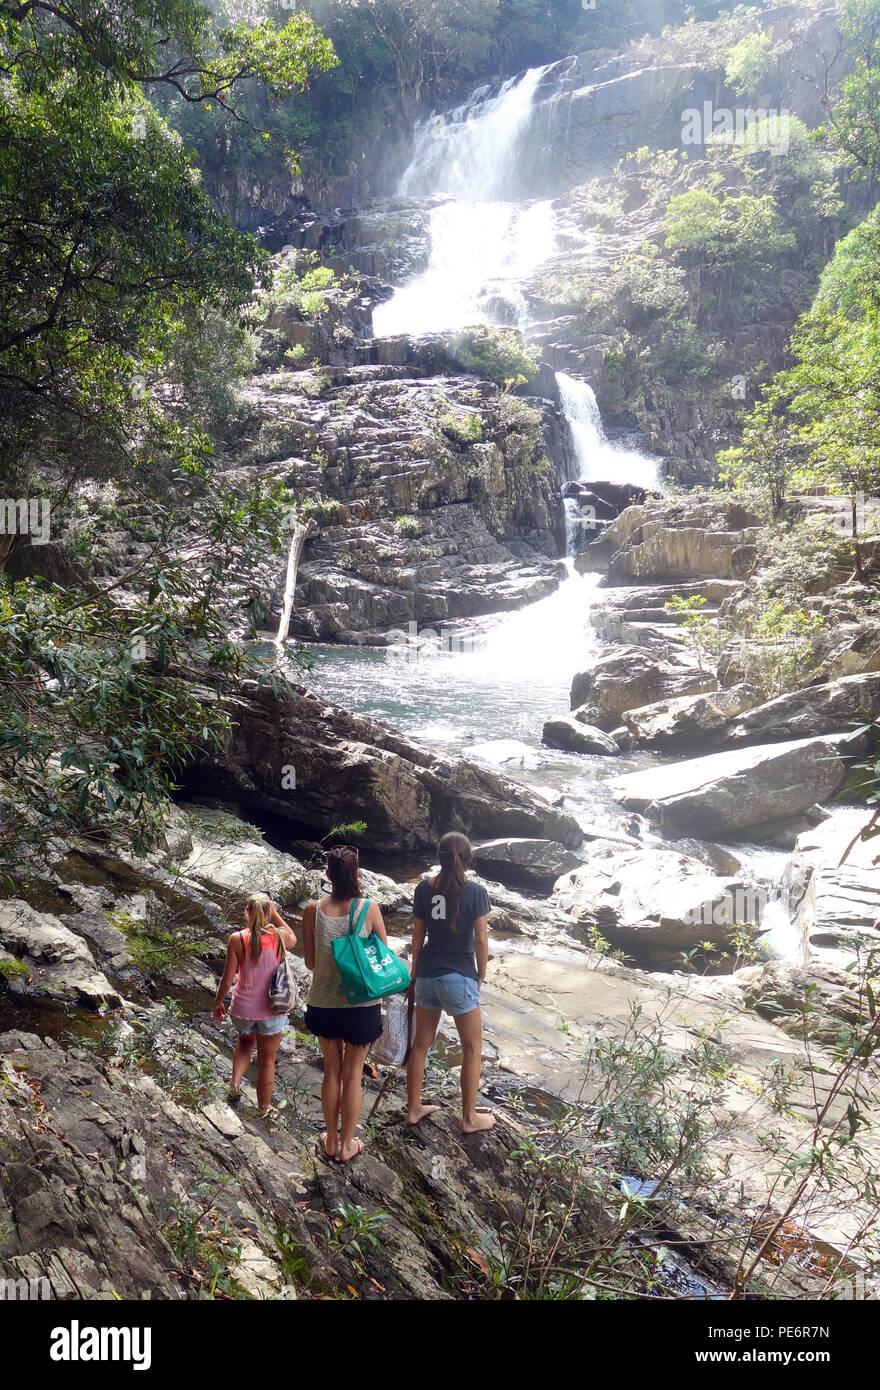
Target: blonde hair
(258, 905)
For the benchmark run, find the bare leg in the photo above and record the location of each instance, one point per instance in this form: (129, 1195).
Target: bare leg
(352, 1098)
(331, 1093)
(426, 1029)
(241, 1057)
(267, 1046)
(470, 1030)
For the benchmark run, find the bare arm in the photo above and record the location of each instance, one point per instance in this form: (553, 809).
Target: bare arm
(481, 946)
(308, 931)
(230, 970)
(376, 923)
(418, 941)
(288, 935)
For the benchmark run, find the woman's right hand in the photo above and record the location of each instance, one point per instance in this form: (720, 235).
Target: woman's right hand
(220, 1013)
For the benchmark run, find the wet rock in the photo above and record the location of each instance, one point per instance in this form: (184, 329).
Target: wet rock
(576, 735)
(729, 791)
(346, 767)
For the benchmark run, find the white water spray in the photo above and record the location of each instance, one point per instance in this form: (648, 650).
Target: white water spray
(597, 458)
(483, 246)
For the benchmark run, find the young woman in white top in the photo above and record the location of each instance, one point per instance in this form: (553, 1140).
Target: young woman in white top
(345, 1031)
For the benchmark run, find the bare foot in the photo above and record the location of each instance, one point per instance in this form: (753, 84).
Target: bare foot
(481, 1119)
(349, 1151)
(330, 1153)
(419, 1113)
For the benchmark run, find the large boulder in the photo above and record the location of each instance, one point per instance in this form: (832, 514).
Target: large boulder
(228, 854)
(653, 901)
(318, 766)
(668, 540)
(727, 792)
(625, 678)
(688, 720)
(832, 901)
(42, 956)
(538, 861)
(817, 709)
(576, 736)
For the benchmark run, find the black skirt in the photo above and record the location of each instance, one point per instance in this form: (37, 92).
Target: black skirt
(358, 1027)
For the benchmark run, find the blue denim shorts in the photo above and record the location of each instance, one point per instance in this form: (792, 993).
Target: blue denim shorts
(267, 1027)
(454, 994)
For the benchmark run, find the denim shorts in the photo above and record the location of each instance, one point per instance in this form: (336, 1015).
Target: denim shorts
(267, 1027)
(454, 994)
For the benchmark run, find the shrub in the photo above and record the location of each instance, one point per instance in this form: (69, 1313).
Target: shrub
(408, 526)
(325, 510)
(461, 429)
(496, 355)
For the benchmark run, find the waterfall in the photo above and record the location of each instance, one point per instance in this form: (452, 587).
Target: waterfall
(598, 459)
(470, 153)
(301, 532)
(484, 243)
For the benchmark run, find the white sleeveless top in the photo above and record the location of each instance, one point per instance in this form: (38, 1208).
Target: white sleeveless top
(326, 990)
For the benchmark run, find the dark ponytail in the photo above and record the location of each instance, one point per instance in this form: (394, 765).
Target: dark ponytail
(455, 853)
(342, 871)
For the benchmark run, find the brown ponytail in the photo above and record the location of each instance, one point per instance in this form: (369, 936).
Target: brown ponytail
(258, 905)
(342, 871)
(455, 853)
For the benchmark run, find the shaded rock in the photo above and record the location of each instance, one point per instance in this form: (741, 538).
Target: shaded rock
(228, 854)
(576, 735)
(626, 678)
(537, 860)
(347, 767)
(650, 900)
(58, 962)
(724, 792)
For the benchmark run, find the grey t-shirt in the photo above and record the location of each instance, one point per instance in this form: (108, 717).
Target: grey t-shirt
(448, 952)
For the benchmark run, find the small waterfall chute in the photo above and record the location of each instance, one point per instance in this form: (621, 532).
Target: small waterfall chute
(301, 531)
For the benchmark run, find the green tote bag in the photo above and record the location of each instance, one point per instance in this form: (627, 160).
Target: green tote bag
(368, 969)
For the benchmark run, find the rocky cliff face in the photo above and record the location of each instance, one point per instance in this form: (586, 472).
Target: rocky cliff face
(435, 498)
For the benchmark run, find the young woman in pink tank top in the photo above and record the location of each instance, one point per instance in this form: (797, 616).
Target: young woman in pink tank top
(253, 955)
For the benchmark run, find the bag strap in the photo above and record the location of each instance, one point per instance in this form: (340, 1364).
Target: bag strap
(354, 928)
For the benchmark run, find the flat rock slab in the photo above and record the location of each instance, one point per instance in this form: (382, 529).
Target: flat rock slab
(541, 860)
(728, 791)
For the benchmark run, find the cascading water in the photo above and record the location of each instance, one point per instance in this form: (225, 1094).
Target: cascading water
(482, 244)
(597, 458)
(487, 687)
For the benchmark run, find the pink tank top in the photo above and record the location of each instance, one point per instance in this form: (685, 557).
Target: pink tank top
(251, 997)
